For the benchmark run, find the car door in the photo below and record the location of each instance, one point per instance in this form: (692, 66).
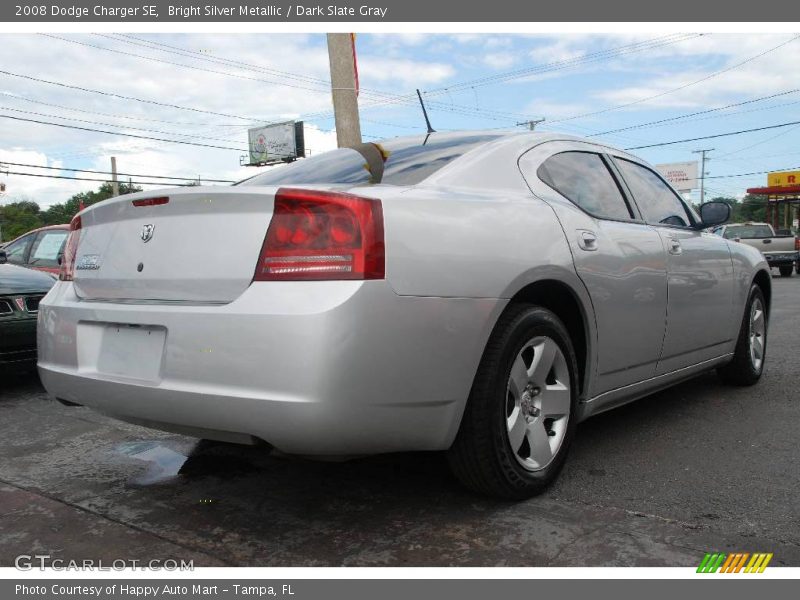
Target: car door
(17, 251)
(699, 267)
(619, 258)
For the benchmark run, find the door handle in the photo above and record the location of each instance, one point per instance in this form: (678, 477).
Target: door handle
(675, 246)
(587, 240)
(766, 241)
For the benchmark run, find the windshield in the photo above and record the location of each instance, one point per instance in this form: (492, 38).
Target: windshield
(748, 231)
(408, 161)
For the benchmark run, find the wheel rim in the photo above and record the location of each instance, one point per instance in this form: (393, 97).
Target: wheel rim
(538, 401)
(758, 330)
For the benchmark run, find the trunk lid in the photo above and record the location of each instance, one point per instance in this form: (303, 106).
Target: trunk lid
(201, 245)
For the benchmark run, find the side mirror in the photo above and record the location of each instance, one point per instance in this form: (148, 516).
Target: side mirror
(3, 257)
(714, 213)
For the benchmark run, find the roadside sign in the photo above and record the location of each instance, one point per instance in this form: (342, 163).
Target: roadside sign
(783, 178)
(682, 176)
(277, 142)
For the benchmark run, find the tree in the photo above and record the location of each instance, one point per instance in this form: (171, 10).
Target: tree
(22, 216)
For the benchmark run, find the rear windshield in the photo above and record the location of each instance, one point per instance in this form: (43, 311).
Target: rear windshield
(408, 162)
(748, 231)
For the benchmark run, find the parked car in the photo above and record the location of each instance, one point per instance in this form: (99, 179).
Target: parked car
(779, 251)
(478, 293)
(38, 249)
(21, 291)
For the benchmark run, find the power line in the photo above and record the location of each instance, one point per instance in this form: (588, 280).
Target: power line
(119, 116)
(187, 135)
(123, 97)
(696, 113)
(14, 164)
(206, 57)
(717, 135)
(752, 173)
(132, 135)
(680, 87)
(183, 65)
(161, 183)
(569, 62)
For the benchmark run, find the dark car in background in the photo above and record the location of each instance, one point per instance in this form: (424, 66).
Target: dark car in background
(21, 290)
(38, 249)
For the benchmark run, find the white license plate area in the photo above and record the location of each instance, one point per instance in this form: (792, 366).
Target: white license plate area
(121, 350)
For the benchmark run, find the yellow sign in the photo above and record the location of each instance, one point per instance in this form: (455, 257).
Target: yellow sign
(783, 178)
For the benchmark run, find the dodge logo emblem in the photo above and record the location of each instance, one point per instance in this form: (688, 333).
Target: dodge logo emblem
(147, 232)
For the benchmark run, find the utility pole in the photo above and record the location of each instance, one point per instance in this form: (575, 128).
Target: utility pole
(114, 183)
(341, 54)
(703, 160)
(531, 124)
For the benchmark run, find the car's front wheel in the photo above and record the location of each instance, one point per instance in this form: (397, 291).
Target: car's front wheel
(520, 416)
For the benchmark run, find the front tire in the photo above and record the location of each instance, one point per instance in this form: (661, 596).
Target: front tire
(785, 271)
(751, 347)
(520, 416)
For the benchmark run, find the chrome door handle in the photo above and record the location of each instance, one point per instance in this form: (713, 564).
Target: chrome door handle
(587, 240)
(675, 246)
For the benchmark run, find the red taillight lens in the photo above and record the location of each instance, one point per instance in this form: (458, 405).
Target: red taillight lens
(322, 235)
(797, 244)
(70, 250)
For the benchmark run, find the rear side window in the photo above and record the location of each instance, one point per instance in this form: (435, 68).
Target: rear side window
(584, 179)
(46, 248)
(658, 203)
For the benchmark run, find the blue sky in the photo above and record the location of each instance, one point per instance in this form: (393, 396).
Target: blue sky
(581, 84)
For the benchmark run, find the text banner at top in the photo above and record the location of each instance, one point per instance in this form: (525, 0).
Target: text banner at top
(395, 11)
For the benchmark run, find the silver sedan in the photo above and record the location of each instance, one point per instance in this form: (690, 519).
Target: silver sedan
(479, 293)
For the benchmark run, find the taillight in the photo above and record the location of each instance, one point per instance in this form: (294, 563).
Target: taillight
(322, 235)
(151, 201)
(797, 244)
(70, 250)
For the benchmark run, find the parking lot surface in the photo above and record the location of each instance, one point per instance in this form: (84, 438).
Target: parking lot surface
(696, 468)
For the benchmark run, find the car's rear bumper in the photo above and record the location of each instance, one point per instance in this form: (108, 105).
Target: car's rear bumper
(780, 259)
(309, 367)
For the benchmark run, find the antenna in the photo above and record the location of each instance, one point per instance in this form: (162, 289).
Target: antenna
(425, 114)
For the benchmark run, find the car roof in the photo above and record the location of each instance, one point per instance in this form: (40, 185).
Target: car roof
(65, 226)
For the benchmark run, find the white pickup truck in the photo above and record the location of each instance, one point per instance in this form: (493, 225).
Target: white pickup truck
(779, 251)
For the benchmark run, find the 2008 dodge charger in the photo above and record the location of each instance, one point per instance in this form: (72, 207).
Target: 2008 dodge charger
(479, 293)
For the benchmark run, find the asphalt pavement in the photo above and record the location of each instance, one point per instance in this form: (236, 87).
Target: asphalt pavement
(697, 468)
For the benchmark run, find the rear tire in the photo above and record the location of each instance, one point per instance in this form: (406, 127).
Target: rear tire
(751, 347)
(797, 267)
(520, 417)
(786, 271)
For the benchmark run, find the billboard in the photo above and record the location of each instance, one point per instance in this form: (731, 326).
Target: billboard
(277, 142)
(682, 176)
(783, 178)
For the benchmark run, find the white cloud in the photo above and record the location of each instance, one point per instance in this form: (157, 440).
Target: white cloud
(500, 60)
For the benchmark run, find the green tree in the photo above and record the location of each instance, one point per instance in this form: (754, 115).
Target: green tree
(20, 217)
(24, 215)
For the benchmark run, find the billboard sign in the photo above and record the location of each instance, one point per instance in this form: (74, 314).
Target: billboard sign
(783, 178)
(682, 176)
(276, 142)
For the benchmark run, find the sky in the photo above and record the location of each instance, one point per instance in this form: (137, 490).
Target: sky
(209, 89)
